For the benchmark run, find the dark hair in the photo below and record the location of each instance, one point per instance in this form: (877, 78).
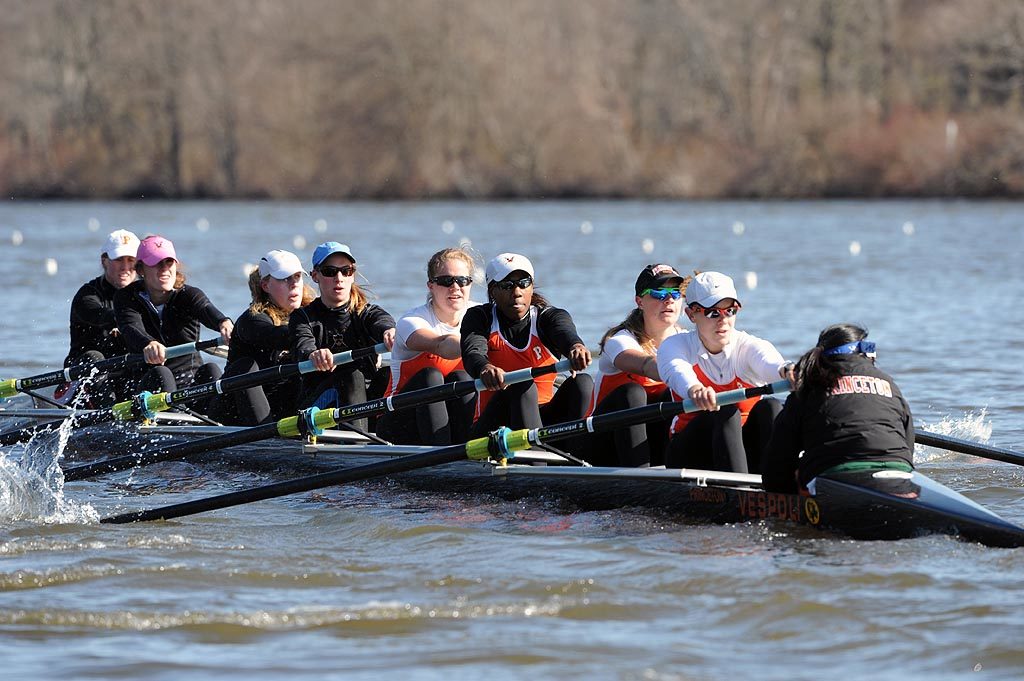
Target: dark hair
(817, 372)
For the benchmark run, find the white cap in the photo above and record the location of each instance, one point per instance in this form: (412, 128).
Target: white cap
(505, 264)
(120, 243)
(707, 288)
(279, 264)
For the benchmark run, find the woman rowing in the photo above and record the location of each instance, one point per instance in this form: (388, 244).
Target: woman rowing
(520, 329)
(846, 415)
(427, 352)
(627, 371)
(161, 310)
(260, 339)
(717, 358)
(340, 319)
(93, 325)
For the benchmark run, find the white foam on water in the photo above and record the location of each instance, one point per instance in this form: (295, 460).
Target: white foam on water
(972, 426)
(32, 482)
(465, 242)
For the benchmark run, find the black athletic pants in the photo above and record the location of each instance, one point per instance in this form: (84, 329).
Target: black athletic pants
(718, 441)
(438, 423)
(640, 445)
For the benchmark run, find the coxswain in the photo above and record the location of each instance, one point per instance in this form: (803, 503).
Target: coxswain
(846, 416)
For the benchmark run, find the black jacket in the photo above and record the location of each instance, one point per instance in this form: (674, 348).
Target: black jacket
(316, 326)
(555, 329)
(256, 336)
(866, 419)
(187, 310)
(93, 321)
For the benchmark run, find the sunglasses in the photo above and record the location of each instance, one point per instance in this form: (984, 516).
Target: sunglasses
(662, 293)
(446, 280)
(332, 271)
(525, 282)
(716, 312)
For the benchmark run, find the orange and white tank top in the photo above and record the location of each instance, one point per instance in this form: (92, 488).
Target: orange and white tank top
(406, 363)
(508, 357)
(680, 421)
(609, 377)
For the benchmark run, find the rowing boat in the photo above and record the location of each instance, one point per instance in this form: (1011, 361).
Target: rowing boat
(880, 505)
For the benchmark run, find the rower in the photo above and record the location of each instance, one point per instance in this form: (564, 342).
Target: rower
(93, 325)
(342, 318)
(627, 371)
(846, 415)
(427, 352)
(520, 329)
(715, 359)
(260, 340)
(161, 310)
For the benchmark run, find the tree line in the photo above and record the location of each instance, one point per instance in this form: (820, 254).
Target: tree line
(343, 99)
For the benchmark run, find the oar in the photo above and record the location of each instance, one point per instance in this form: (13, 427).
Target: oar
(12, 386)
(967, 447)
(310, 421)
(500, 444)
(146, 405)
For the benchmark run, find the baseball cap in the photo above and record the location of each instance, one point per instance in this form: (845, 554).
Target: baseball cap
(656, 276)
(153, 249)
(120, 243)
(279, 264)
(707, 288)
(505, 264)
(329, 248)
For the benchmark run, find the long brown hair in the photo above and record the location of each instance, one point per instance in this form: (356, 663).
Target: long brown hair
(263, 303)
(634, 323)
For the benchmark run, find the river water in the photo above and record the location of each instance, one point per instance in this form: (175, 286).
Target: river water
(377, 580)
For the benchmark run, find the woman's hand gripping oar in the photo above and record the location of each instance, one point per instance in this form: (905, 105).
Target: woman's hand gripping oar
(311, 421)
(499, 445)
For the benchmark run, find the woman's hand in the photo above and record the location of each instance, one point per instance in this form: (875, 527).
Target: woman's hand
(703, 397)
(389, 338)
(322, 359)
(493, 377)
(579, 357)
(226, 327)
(154, 353)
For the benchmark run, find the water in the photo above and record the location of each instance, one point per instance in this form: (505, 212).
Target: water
(376, 580)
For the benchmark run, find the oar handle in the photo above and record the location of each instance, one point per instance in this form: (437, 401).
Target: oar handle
(520, 375)
(740, 394)
(346, 357)
(188, 348)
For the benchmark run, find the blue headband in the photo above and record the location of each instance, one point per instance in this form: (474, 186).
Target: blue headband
(862, 346)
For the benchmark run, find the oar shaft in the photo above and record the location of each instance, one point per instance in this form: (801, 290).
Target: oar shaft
(966, 447)
(336, 477)
(11, 387)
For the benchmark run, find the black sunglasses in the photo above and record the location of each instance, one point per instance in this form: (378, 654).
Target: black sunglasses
(332, 271)
(525, 282)
(446, 280)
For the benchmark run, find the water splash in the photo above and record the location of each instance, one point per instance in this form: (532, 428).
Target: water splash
(973, 426)
(32, 482)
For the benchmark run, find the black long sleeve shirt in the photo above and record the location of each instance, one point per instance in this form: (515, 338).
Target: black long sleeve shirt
(866, 419)
(255, 335)
(555, 329)
(187, 310)
(93, 321)
(317, 326)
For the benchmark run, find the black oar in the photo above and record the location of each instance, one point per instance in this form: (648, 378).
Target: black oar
(147, 405)
(310, 421)
(967, 447)
(500, 444)
(12, 386)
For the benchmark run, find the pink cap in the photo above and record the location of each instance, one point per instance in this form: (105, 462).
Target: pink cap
(153, 249)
